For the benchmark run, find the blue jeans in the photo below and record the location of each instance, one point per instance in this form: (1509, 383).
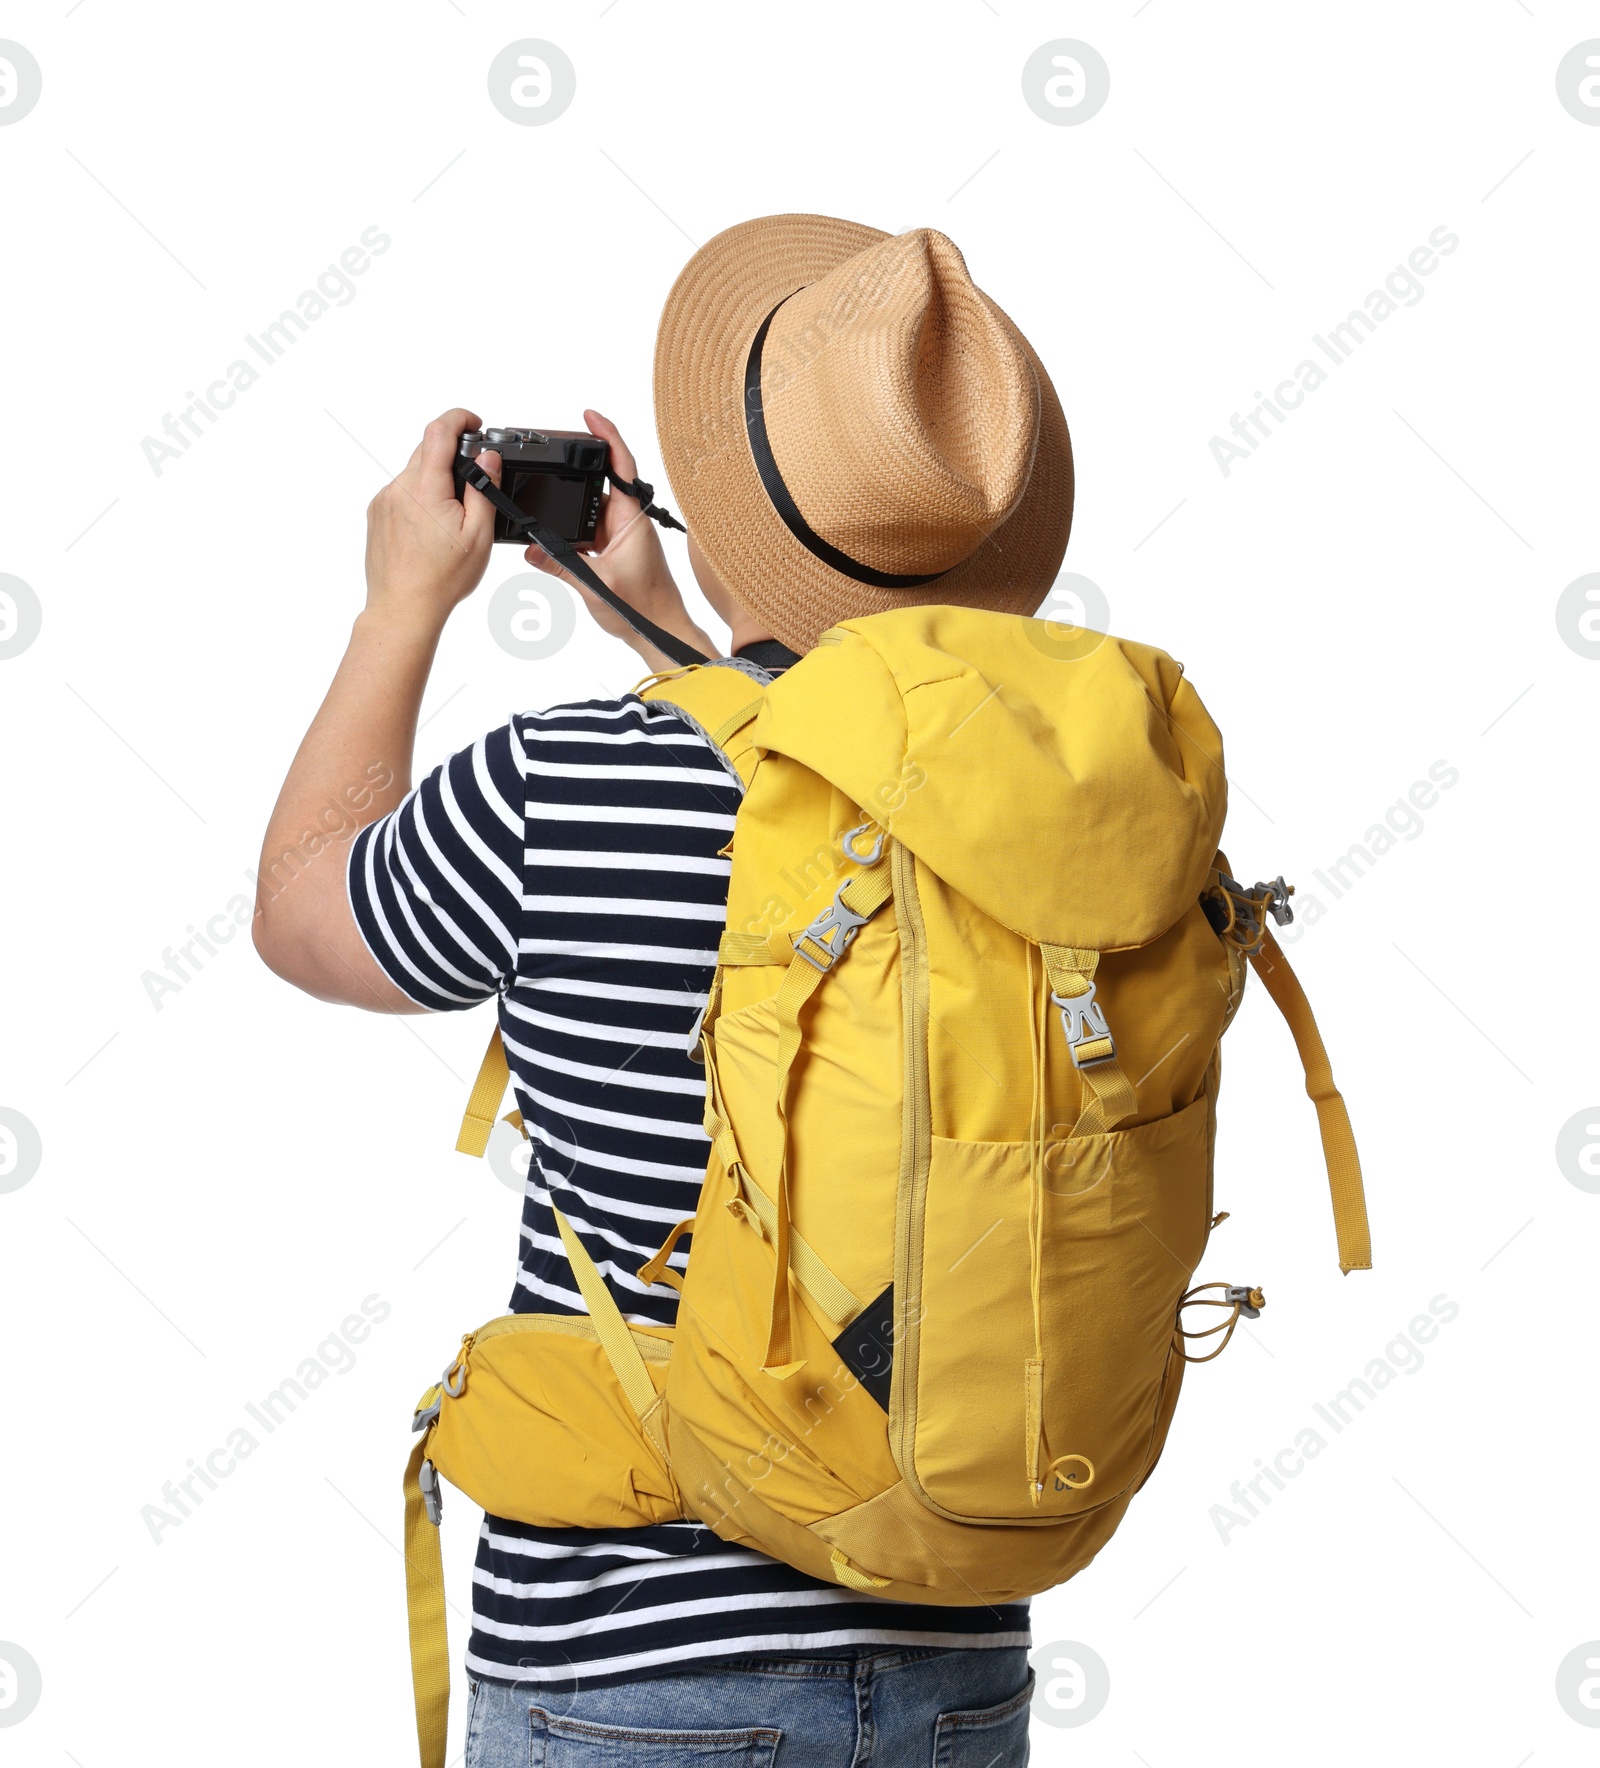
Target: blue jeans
(857, 1707)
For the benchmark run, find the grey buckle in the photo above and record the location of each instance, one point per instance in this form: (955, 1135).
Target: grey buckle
(432, 1498)
(1083, 1020)
(425, 1415)
(1249, 1301)
(830, 933)
(1278, 903)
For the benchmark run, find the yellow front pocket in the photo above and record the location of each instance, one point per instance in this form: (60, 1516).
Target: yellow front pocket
(1120, 1228)
(541, 1432)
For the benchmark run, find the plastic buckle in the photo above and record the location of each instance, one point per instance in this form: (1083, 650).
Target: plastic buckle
(425, 1415)
(1083, 1020)
(1278, 902)
(1248, 1301)
(831, 933)
(432, 1498)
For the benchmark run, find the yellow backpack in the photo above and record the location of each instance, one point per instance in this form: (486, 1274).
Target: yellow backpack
(961, 1058)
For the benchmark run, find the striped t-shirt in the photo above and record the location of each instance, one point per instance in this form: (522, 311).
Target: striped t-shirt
(568, 863)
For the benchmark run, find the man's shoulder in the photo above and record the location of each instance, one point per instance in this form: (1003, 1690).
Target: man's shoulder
(629, 730)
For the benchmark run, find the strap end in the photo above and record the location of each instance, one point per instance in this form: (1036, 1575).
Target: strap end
(474, 1137)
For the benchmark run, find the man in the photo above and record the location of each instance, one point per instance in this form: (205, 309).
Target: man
(850, 426)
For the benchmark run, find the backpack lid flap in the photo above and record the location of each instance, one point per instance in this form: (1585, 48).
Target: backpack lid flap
(1069, 785)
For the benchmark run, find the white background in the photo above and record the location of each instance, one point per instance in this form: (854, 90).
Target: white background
(1372, 591)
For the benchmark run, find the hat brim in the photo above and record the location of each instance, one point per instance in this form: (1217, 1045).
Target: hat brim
(719, 300)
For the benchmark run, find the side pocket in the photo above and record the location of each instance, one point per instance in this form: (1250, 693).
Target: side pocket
(990, 1737)
(1121, 1224)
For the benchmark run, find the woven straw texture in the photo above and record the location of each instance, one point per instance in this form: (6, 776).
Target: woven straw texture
(912, 423)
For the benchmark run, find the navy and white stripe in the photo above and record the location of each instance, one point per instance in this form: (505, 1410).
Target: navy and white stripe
(569, 863)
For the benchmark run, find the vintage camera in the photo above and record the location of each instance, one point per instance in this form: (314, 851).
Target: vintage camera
(558, 477)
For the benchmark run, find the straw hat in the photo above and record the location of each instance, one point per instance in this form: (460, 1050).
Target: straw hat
(850, 425)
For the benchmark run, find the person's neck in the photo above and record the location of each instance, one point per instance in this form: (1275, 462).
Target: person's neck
(742, 631)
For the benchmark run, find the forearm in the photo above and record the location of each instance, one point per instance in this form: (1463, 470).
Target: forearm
(353, 766)
(426, 552)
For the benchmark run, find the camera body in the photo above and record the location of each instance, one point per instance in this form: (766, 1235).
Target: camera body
(558, 477)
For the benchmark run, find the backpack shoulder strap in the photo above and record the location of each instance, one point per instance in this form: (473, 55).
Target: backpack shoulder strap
(1239, 918)
(1333, 1120)
(721, 703)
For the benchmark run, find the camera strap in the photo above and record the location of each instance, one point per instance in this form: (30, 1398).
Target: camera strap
(468, 472)
(644, 494)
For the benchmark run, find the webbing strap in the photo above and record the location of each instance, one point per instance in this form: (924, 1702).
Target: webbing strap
(838, 1304)
(484, 1105)
(655, 1269)
(1333, 1120)
(1108, 1097)
(863, 895)
(615, 1338)
(732, 726)
(1108, 1094)
(1032, 1419)
(717, 1126)
(612, 1329)
(776, 946)
(430, 1651)
(425, 1603)
(854, 1577)
(754, 948)
(797, 987)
